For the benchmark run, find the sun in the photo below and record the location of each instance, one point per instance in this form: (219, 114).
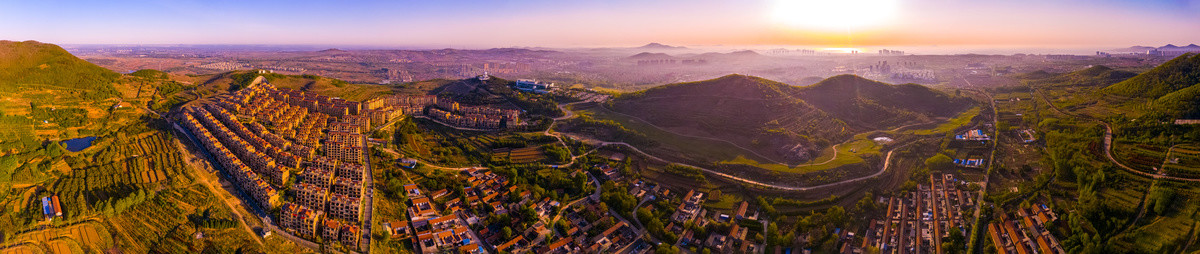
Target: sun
(834, 15)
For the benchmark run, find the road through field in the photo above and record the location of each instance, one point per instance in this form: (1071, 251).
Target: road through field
(1108, 145)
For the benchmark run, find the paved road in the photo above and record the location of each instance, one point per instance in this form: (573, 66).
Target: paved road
(886, 164)
(368, 200)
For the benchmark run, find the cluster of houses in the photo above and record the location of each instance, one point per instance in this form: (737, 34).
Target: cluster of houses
(1025, 234)
(973, 135)
(733, 240)
(327, 199)
(50, 207)
(436, 232)
(443, 109)
(970, 162)
(602, 234)
(917, 221)
(481, 117)
(588, 96)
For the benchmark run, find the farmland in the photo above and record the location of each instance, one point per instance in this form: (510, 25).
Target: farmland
(1143, 157)
(1183, 160)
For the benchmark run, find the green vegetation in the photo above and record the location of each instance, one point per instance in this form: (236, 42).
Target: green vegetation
(131, 190)
(1098, 75)
(1179, 73)
(956, 122)
(150, 74)
(770, 123)
(31, 62)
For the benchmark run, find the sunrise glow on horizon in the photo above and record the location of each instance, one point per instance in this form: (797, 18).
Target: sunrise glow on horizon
(469, 24)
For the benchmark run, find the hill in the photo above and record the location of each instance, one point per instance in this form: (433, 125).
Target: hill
(655, 45)
(1097, 75)
(868, 104)
(31, 62)
(781, 121)
(1176, 74)
(648, 55)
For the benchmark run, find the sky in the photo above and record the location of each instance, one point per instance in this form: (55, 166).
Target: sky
(580, 23)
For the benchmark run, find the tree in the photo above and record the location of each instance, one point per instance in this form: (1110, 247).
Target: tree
(506, 233)
(666, 249)
(953, 244)
(939, 162)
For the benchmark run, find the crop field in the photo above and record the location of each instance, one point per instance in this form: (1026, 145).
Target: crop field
(161, 224)
(446, 146)
(522, 155)
(1183, 160)
(76, 237)
(135, 160)
(1143, 157)
(1126, 196)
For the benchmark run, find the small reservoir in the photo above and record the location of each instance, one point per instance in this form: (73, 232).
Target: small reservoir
(78, 144)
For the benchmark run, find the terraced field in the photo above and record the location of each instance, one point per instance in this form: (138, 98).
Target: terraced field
(88, 235)
(1184, 161)
(526, 155)
(136, 161)
(1143, 157)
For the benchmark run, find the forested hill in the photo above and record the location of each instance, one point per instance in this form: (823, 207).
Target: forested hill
(36, 63)
(1173, 86)
(771, 114)
(872, 104)
(1097, 75)
(1174, 75)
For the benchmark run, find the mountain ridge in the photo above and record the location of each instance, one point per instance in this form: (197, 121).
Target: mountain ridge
(787, 121)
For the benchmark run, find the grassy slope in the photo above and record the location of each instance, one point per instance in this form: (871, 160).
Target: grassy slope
(32, 62)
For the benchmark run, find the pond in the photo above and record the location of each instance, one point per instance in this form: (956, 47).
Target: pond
(78, 144)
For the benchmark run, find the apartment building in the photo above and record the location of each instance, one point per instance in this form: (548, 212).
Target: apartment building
(344, 146)
(343, 207)
(311, 195)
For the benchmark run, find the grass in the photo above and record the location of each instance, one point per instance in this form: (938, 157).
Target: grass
(957, 121)
(696, 148)
(726, 203)
(847, 153)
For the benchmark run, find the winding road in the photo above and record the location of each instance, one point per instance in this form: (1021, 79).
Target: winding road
(1108, 140)
(569, 114)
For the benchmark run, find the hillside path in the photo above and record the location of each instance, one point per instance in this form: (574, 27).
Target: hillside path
(1108, 139)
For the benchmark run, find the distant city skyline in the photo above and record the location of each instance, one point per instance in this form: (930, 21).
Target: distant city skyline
(621, 23)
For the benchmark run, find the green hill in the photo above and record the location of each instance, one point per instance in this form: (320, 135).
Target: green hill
(781, 121)
(1176, 74)
(1184, 103)
(31, 62)
(1097, 75)
(868, 104)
